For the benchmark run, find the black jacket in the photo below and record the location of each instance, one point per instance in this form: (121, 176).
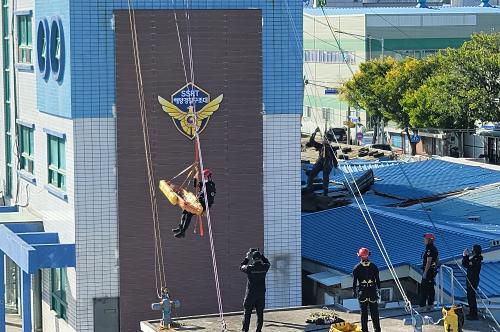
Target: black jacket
(366, 275)
(256, 274)
(326, 151)
(211, 192)
(432, 252)
(473, 266)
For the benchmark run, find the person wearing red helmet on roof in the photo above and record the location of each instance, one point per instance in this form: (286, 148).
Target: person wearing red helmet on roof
(366, 287)
(429, 269)
(187, 216)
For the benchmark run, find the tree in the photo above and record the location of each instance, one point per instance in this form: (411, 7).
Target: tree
(463, 88)
(364, 89)
(402, 79)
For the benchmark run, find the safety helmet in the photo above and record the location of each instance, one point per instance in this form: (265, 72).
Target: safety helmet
(363, 253)
(429, 236)
(207, 173)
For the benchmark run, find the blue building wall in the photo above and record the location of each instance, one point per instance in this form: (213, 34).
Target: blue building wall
(92, 71)
(54, 97)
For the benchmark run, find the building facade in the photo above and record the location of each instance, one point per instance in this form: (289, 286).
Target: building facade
(73, 157)
(338, 40)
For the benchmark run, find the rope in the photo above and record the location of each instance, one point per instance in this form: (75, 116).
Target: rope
(427, 213)
(371, 226)
(160, 277)
(382, 245)
(200, 158)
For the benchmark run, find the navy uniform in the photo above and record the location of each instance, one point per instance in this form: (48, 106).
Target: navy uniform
(473, 266)
(255, 295)
(326, 162)
(366, 286)
(427, 292)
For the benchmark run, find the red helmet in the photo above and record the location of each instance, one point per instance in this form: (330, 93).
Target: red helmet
(429, 236)
(207, 173)
(363, 253)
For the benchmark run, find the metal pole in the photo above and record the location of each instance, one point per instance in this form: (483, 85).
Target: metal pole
(382, 47)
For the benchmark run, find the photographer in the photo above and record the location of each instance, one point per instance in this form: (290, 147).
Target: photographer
(255, 295)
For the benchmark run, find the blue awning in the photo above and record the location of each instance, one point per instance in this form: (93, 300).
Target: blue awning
(29, 246)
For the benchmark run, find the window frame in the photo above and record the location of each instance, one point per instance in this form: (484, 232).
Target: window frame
(58, 292)
(26, 149)
(391, 294)
(25, 39)
(56, 168)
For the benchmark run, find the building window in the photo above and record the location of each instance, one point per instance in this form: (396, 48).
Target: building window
(24, 38)
(307, 111)
(386, 294)
(57, 161)
(327, 114)
(317, 56)
(26, 147)
(59, 285)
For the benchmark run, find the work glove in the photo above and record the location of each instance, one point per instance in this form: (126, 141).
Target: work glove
(424, 276)
(355, 293)
(378, 294)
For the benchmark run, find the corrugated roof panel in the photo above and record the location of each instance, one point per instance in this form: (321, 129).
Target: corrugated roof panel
(488, 281)
(483, 202)
(332, 238)
(430, 178)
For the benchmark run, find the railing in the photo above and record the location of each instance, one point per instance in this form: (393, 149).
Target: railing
(441, 292)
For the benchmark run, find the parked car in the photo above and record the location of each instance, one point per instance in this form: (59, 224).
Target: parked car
(339, 133)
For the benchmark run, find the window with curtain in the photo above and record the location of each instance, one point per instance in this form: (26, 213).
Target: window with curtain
(57, 161)
(24, 38)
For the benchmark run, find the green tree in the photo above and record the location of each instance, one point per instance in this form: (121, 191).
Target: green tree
(404, 78)
(462, 89)
(364, 89)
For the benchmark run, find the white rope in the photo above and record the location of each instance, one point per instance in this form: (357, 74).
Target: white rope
(427, 213)
(160, 277)
(371, 226)
(200, 156)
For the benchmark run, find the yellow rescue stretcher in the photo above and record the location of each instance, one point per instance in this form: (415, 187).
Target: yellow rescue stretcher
(345, 327)
(179, 196)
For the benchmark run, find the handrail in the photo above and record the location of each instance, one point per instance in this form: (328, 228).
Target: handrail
(441, 292)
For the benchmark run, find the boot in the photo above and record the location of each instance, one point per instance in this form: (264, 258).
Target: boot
(181, 233)
(177, 230)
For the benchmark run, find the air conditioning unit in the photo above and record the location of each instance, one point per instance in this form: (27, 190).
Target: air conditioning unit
(474, 218)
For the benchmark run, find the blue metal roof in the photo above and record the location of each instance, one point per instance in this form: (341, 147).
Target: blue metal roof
(458, 220)
(332, 238)
(401, 11)
(483, 202)
(489, 280)
(430, 178)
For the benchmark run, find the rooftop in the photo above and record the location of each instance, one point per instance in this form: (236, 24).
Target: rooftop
(430, 178)
(401, 11)
(346, 228)
(293, 320)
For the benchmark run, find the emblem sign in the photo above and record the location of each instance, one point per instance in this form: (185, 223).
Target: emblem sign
(190, 108)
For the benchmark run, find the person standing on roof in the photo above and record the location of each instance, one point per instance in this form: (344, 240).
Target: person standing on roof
(187, 216)
(326, 161)
(473, 266)
(366, 288)
(255, 295)
(429, 269)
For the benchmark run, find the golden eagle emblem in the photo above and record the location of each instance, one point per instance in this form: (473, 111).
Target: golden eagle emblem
(190, 109)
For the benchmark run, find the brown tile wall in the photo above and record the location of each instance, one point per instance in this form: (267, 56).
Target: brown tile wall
(227, 59)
